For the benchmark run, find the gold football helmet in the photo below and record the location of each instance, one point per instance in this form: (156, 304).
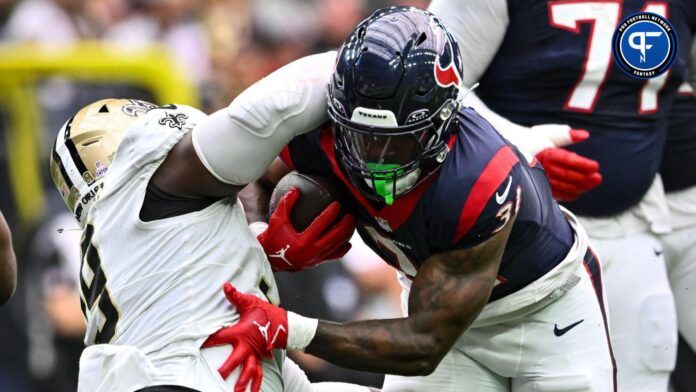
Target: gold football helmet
(85, 147)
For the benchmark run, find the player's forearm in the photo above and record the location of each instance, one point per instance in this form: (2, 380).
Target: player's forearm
(410, 346)
(254, 198)
(379, 346)
(447, 295)
(8, 263)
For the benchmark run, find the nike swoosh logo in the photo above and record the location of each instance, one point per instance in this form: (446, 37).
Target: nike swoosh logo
(501, 198)
(561, 331)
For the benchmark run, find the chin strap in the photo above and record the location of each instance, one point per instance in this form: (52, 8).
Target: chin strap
(464, 93)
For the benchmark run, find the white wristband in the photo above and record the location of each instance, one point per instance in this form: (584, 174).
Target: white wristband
(258, 227)
(301, 331)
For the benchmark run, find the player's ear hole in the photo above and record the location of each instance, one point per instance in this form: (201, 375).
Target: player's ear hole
(104, 109)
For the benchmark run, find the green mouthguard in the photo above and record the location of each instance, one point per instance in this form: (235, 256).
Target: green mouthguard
(383, 182)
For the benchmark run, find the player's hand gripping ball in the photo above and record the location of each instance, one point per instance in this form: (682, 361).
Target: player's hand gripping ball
(305, 227)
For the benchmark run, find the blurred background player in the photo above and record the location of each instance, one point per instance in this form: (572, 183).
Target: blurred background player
(57, 328)
(491, 267)
(544, 62)
(8, 263)
(678, 173)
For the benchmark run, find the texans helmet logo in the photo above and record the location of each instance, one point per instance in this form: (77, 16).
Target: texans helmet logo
(446, 75)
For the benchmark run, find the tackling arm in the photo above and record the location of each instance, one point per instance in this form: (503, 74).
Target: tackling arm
(447, 295)
(8, 263)
(233, 146)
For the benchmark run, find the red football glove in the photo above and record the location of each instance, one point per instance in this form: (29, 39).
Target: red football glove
(262, 327)
(288, 250)
(570, 174)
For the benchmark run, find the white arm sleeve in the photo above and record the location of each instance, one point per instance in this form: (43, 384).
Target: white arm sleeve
(236, 144)
(479, 27)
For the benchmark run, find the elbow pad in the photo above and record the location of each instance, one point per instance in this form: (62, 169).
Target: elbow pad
(238, 143)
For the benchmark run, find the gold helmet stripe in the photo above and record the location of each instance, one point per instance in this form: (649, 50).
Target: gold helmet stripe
(77, 160)
(69, 165)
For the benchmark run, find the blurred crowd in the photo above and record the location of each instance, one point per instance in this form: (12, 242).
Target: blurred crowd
(222, 46)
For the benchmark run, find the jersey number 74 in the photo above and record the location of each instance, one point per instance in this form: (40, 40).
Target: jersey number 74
(604, 17)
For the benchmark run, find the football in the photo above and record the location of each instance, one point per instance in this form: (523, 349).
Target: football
(316, 193)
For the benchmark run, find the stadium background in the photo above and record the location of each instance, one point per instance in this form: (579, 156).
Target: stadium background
(58, 55)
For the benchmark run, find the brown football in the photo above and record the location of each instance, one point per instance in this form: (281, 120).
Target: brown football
(316, 193)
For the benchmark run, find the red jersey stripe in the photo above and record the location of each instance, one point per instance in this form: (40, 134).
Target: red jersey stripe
(490, 179)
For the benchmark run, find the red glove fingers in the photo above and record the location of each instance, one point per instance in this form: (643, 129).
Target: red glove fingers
(569, 176)
(323, 221)
(578, 135)
(339, 252)
(252, 373)
(565, 158)
(258, 378)
(287, 202)
(235, 359)
(564, 187)
(242, 302)
(339, 233)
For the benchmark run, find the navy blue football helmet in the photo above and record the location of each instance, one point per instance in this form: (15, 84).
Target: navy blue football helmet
(393, 98)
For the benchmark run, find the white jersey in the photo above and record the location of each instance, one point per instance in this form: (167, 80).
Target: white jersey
(152, 291)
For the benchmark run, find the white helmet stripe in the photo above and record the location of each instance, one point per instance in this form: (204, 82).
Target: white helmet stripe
(77, 160)
(69, 164)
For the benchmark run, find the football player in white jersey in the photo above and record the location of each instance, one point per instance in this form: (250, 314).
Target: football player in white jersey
(8, 263)
(154, 190)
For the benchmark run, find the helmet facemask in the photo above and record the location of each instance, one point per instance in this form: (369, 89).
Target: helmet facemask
(393, 98)
(388, 161)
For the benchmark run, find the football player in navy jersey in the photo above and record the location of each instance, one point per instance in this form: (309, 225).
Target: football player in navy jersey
(541, 61)
(678, 172)
(501, 291)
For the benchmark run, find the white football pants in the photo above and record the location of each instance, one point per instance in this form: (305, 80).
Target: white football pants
(680, 255)
(643, 322)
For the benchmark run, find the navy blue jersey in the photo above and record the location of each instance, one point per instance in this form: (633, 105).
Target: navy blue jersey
(480, 186)
(679, 161)
(555, 66)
